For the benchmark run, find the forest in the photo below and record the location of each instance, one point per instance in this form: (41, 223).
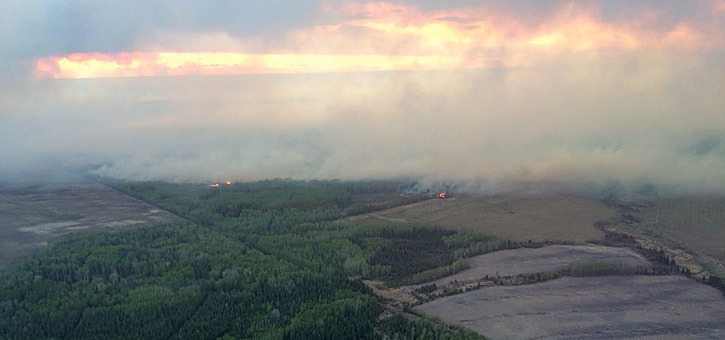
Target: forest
(262, 260)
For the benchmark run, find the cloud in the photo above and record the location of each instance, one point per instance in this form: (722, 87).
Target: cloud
(227, 63)
(387, 36)
(582, 94)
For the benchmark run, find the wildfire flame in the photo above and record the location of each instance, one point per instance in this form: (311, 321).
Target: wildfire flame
(214, 185)
(442, 195)
(228, 182)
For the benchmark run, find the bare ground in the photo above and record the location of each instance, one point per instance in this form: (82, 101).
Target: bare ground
(33, 216)
(620, 307)
(635, 306)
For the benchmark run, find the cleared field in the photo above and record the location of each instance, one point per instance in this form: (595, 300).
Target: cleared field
(545, 259)
(608, 307)
(517, 216)
(696, 224)
(30, 217)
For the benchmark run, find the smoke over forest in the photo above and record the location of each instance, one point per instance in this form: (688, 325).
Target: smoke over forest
(635, 107)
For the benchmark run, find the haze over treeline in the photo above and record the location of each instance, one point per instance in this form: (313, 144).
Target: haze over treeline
(565, 92)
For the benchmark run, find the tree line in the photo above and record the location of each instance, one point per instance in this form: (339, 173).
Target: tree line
(253, 260)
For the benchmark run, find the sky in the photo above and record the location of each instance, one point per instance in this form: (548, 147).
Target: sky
(472, 91)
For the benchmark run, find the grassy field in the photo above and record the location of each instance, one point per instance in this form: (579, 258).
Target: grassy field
(545, 259)
(696, 224)
(608, 307)
(518, 217)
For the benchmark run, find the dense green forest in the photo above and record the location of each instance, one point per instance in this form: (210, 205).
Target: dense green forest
(258, 260)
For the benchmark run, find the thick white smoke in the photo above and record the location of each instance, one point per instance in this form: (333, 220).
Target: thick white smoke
(634, 119)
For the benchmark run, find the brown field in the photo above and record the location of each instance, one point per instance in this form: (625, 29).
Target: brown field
(31, 217)
(608, 307)
(696, 224)
(632, 306)
(546, 259)
(519, 217)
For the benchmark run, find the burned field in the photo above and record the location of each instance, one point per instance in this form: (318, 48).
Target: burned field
(518, 217)
(31, 217)
(621, 307)
(554, 258)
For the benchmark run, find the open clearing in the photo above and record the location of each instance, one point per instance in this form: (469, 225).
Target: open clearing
(694, 223)
(605, 307)
(30, 217)
(545, 259)
(514, 216)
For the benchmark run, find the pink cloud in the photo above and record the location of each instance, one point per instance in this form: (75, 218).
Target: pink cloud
(384, 36)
